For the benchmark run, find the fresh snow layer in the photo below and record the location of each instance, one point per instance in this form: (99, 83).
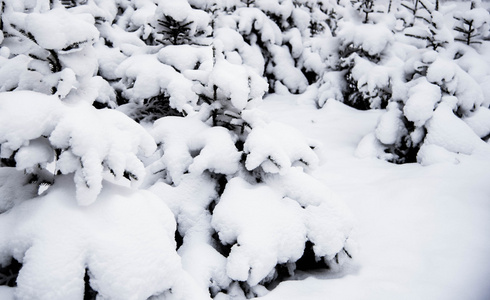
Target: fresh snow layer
(125, 239)
(422, 230)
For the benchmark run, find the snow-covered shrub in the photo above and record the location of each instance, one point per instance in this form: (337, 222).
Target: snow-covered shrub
(178, 23)
(79, 138)
(144, 77)
(287, 35)
(174, 32)
(444, 87)
(401, 130)
(244, 198)
(370, 67)
(285, 42)
(226, 141)
(124, 242)
(422, 70)
(51, 51)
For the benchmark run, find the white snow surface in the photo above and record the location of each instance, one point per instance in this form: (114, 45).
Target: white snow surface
(422, 230)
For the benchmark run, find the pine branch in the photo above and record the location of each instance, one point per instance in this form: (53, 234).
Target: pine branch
(409, 8)
(54, 61)
(73, 46)
(348, 254)
(424, 5)
(423, 18)
(459, 29)
(274, 162)
(25, 33)
(129, 175)
(69, 3)
(417, 36)
(7, 279)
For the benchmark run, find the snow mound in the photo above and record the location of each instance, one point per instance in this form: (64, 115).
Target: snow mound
(267, 228)
(480, 122)
(125, 240)
(390, 126)
(276, 147)
(422, 99)
(447, 131)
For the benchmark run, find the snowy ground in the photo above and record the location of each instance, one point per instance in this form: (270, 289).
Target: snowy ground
(423, 230)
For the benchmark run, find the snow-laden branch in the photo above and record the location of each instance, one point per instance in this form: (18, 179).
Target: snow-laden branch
(36, 129)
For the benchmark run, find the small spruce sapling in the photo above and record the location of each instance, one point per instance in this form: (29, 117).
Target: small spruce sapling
(358, 94)
(418, 9)
(174, 32)
(365, 7)
(472, 25)
(431, 30)
(248, 2)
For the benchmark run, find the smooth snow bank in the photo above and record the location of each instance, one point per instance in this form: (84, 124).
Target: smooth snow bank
(422, 230)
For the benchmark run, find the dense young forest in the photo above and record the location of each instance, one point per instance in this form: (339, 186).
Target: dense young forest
(136, 163)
